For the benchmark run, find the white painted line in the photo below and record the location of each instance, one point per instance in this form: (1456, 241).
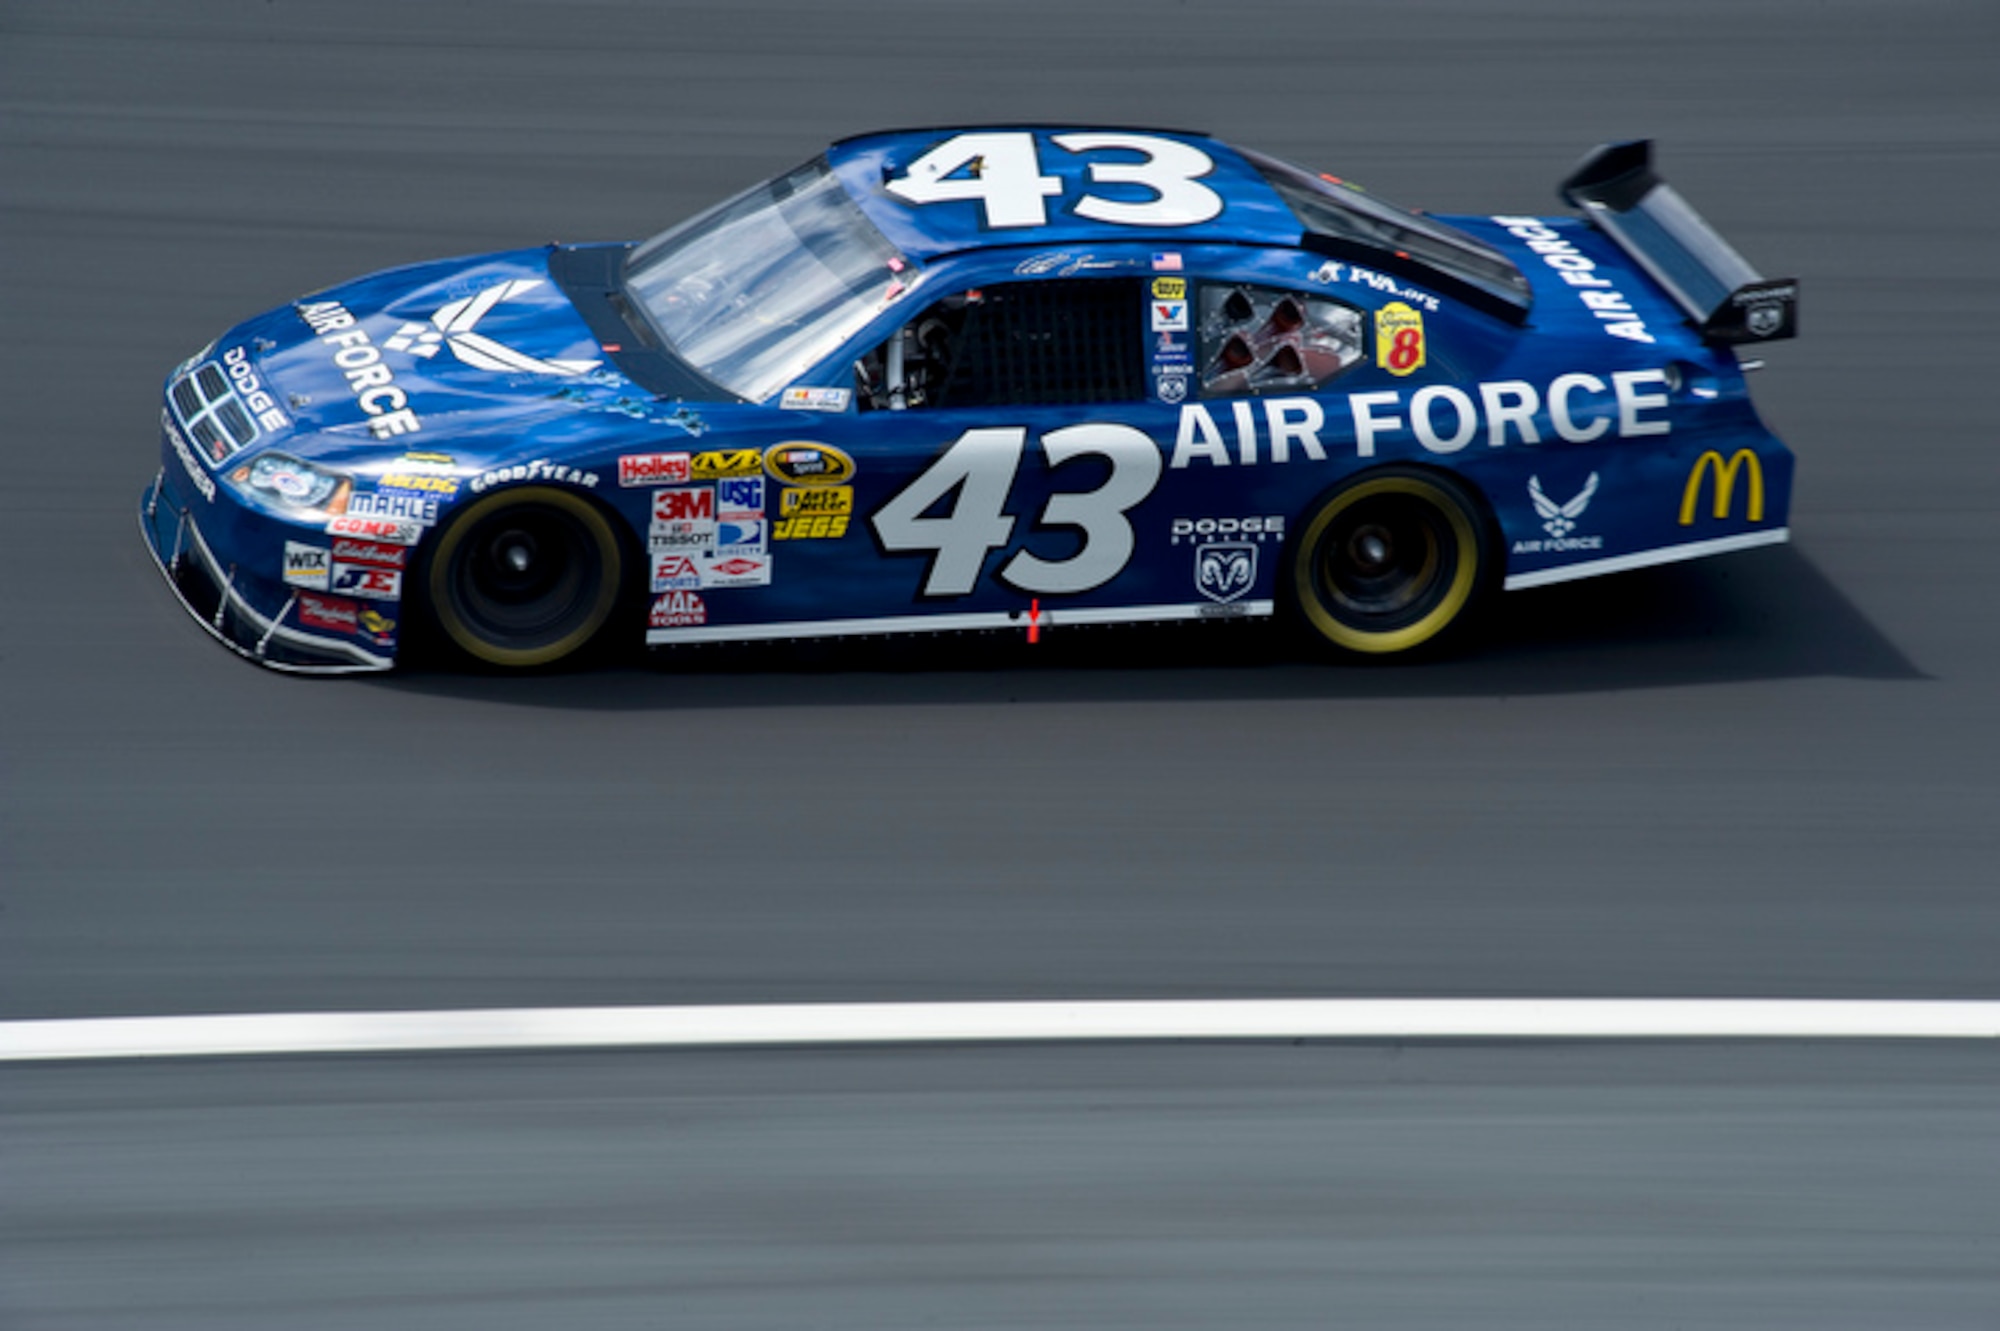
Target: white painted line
(960, 1023)
(1670, 554)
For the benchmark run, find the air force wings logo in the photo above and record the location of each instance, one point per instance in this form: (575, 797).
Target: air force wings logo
(452, 327)
(1559, 520)
(1224, 570)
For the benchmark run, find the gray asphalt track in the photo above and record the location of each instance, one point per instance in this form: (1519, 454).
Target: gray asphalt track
(1771, 774)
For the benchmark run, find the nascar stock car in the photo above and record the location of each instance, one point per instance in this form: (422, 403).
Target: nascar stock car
(975, 379)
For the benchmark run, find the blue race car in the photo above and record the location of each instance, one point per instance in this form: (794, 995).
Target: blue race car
(976, 379)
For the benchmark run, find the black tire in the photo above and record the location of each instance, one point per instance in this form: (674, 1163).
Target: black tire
(1391, 561)
(525, 577)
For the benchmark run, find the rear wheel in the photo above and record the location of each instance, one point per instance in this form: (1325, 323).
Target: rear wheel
(1390, 562)
(525, 577)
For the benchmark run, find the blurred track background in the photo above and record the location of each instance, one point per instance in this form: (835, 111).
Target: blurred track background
(1772, 774)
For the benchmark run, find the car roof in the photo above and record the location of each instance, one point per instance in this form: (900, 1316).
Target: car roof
(1250, 212)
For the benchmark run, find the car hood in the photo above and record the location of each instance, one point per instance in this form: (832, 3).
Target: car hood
(437, 354)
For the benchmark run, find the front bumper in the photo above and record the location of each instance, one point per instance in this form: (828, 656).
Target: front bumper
(209, 587)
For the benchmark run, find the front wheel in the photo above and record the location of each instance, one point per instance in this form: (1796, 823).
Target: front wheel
(525, 577)
(1390, 562)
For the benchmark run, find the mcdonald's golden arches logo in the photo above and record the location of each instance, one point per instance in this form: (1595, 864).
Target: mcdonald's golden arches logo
(1725, 484)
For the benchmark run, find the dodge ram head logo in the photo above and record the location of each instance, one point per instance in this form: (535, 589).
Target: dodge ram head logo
(1224, 570)
(452, 327)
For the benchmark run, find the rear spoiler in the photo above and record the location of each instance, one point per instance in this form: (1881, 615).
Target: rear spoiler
(1721, 293)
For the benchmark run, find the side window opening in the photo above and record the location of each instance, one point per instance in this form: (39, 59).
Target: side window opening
(1262, 339)
(1043, 343)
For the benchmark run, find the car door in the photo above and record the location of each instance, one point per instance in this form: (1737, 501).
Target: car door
(996, 465)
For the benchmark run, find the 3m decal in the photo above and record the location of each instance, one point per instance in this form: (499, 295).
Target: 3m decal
(307, 565)
(637, 470)
(1725, 485)
(808, 464)
(1224, 570)
(1597, 293)
(452, 326)
(726, 462)
(815, 399)
(978, 470)
(1399, 338)
(678, 610)
(683, 519)
(696, 502)
(1000, 171)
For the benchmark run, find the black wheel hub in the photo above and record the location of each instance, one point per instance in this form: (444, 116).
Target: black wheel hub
(523, 577)
(1388, 561)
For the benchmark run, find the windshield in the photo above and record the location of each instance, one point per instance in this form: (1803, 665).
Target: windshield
(1337, 209)
(760, 288)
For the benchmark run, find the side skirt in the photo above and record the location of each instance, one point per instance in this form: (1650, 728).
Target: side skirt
(1666, 554)
(999, 619)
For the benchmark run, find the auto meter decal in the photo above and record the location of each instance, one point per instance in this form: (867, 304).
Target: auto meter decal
(800, 463)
